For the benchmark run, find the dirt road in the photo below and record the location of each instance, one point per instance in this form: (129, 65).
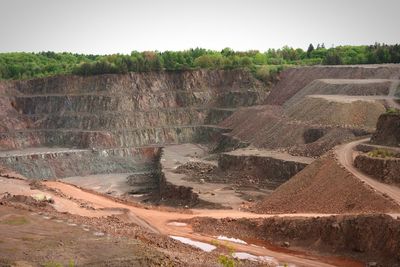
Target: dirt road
(345, 155)
(158, 221)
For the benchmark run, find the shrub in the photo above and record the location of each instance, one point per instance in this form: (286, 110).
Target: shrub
(380, 153)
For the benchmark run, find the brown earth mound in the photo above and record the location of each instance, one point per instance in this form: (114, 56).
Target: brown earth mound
(387, 130)
(324, 187)
(268, 127)
(295, 79)
(354, 114)
(366, 87)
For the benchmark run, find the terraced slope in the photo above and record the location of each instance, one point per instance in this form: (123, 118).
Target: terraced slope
(295, 79)
(316, 108)
(108, 115)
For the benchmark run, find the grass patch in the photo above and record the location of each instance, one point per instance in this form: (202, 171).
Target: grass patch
(392, 110)
(57, 264)
(15, 221)
(381, 153)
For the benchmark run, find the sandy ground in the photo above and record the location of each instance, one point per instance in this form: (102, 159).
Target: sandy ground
(350, 99)
(270, 154)
(42, 240)
(222, 194)
(114, 183)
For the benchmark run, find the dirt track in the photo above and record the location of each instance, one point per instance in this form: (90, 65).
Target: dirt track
(345, 156)
(157, 221)
(69, 198)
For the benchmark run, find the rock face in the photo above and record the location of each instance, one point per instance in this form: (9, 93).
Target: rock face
(386, 170)
(369, 238)
(134, 109)
(117, 115)
(274, 168)
(79, 162)
(387, 130)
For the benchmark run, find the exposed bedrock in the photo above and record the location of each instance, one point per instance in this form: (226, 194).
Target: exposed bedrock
(135, 109)
(60, 163)
(269, 166)
(218, 80)
(369, 238)
(108, 139)
(387, 130)
(386, 170)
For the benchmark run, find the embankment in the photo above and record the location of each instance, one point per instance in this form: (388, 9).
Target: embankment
(369, 238)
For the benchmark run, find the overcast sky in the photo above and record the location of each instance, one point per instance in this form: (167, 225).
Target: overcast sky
(120, 26)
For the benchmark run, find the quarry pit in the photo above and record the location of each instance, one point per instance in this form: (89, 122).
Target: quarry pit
(198, 154)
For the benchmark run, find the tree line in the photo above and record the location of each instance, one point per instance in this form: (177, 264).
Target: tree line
(264, 65)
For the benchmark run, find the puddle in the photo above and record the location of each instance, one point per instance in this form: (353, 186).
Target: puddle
(201, 245)
(251, 257)
(256, 246)
(231, 239)
(98, 234)
(179, 224)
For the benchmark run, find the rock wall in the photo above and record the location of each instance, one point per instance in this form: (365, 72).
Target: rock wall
(134, 109)
(387, 130)
(62, 164)
(369, 238)
(386, 170)
(272, 170)
(108, 139)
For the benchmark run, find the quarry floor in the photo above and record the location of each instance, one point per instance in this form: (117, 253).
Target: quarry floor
(226, 195)
(87, 204)
(97, 198)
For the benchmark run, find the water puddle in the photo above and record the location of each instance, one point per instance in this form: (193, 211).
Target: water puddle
(251, 257)
(179, 224)
(231, 239)
(201, 245)
(98, 234)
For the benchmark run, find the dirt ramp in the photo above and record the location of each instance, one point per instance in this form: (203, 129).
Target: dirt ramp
(324, 187)
(295, 79)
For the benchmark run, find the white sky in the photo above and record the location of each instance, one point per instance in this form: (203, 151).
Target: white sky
(120, 26)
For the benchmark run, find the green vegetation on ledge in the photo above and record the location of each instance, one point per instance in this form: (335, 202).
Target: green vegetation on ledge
(264, 65)
(380, 153)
